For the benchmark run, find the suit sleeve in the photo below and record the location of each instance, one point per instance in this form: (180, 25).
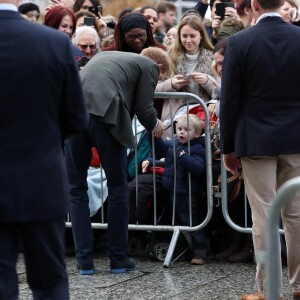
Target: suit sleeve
(144, 108)
(73, 113)
(230, 96)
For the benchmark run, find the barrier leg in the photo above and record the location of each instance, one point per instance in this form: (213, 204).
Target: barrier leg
(172, 246)
(285, 193)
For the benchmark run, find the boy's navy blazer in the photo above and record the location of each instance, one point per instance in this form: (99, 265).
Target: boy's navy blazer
(41, 104)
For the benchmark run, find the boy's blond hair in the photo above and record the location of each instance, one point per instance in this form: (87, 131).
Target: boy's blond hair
(194, 121)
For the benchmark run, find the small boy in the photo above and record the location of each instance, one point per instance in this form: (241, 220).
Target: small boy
(187, 161)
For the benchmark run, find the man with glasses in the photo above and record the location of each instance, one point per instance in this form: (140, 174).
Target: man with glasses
(87, 41)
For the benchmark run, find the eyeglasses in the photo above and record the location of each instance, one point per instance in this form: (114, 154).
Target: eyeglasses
(84, 47)
(132, 37)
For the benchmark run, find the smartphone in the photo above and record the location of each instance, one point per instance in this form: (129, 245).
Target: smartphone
(96, 10)
(220, 9)
(89, 21)
(187, 77)
(294, 15)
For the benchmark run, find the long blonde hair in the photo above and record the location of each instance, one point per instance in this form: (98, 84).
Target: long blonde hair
(196, 23)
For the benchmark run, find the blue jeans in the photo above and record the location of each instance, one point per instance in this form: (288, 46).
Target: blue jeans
(182, 214)
(113, 156)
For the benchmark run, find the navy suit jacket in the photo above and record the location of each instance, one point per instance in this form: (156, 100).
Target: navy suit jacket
(41, 104)
(260, 98)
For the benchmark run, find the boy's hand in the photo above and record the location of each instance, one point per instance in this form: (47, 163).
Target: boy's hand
(145, 165)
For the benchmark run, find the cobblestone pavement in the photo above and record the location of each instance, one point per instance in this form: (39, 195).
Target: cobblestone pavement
(181, 281)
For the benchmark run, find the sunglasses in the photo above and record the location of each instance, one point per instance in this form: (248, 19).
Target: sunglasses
(84, 47)
(132, 37)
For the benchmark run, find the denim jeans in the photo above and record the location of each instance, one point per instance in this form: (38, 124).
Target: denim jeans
(113, 156)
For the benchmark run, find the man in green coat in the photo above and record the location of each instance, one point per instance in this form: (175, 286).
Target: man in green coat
(116, 86)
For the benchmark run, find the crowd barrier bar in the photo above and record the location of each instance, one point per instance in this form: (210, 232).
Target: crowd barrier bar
(224, 201)
(272, 255)
(209, 184)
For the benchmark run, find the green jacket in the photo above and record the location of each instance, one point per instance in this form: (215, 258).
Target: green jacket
(117, 85)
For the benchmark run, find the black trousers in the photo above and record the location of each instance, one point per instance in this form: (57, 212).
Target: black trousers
(44, 249)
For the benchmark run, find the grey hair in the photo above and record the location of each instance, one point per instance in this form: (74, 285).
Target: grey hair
(82, 30)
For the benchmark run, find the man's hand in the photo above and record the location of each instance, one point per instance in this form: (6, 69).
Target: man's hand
(231, 163)
(159, 129)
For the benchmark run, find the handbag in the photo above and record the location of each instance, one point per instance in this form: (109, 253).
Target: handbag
(235, 185)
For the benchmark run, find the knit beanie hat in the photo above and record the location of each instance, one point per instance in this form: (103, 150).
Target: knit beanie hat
(26, 7)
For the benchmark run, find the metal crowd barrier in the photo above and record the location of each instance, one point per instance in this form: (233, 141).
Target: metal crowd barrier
(224, 201)
(209, 186)
(272, 255)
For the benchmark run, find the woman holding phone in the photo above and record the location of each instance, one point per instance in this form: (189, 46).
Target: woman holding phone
(191, 60)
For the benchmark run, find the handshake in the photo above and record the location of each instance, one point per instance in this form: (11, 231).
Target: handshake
(158, 129)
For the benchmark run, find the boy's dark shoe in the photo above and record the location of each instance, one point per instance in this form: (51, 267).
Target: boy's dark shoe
(122, 266)
(198, 260)
(85, 270)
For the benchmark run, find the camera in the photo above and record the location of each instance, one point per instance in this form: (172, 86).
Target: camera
(89, 21)
(220, 9)
(96, 10)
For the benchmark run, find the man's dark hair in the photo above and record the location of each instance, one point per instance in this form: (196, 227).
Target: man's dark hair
(165, 6)
(270, 4)
(241, 5)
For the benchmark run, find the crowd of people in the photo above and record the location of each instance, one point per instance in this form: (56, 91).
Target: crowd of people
(99, 75)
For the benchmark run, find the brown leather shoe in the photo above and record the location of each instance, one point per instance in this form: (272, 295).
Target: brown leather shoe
(226, 253)
(296, 296)
(257, 296)
(243, 256)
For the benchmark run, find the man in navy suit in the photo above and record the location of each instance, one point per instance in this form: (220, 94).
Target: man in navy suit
(41, 105)
(260, 113)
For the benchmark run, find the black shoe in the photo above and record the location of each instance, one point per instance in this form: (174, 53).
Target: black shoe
(122, 266)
